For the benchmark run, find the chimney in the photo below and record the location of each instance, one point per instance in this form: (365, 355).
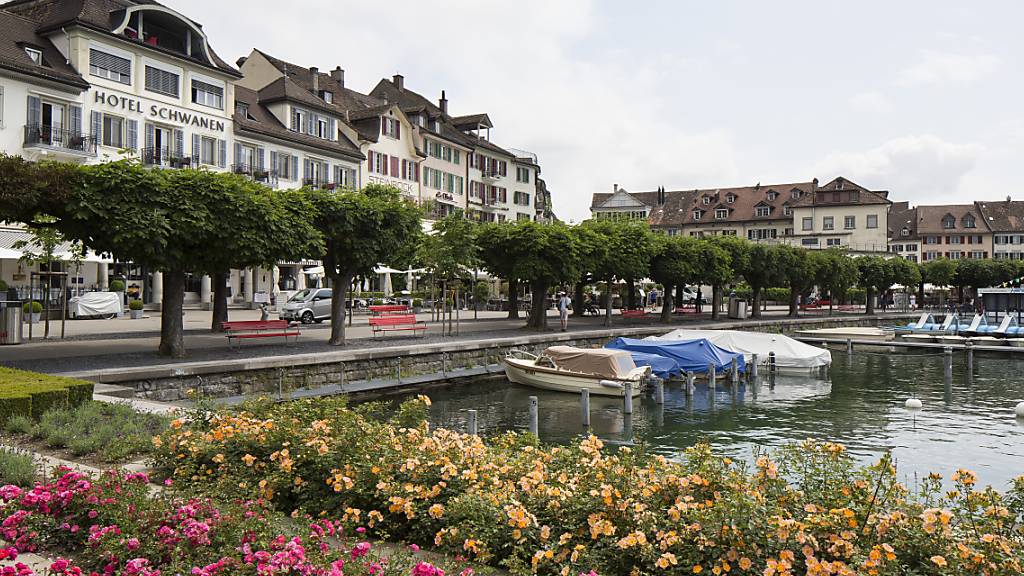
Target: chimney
(338, 75)
(814, 185)
(443, 103)
(615, 187)
(241, 61)
(399, 81)
(661, 195)
(1008, 199)
(315, 73)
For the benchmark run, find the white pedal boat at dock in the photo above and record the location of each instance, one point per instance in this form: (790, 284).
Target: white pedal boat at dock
(602, 371)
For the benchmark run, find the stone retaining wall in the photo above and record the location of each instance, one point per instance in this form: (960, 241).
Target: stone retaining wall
(287, 373)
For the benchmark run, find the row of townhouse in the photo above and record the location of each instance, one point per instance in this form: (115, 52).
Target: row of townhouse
(97, 80)
(840, 213)
(958, 231)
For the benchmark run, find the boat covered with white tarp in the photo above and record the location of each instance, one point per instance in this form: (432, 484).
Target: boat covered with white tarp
(602, 371)
(790, 355)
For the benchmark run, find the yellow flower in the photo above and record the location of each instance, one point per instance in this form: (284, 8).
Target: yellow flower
(745, 563)
(436, 511)
(248, 459)
(218, 459)
(698, 569)
(667, 559)
(938, 560)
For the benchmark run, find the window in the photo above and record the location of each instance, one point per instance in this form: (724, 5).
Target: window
(809, 241)
(850, 222)
(523, 175)
(949, 222)
(207, 150)
(207, 94)
(110, 67)
(794, 193)
(808, 223)
(161, 81)
(730, 198)
(299, 118)
(969, 221)
(911, 247)
(828, 223)
(758, 233)
(931, 239)
(872, 221)
(911, 257)
(772, 195)
(323, 128)
(113, 131)
(787, 211)
(521, 198)
(1, 106)
(697, 214)
(955, 240)
(721, 213)
(833, 242)
(284, 167)
(707, 200)
(35, 55)
(978, 254)
(763, 210)
(904, 232)
(327, 96)
(955, 255)
(242, 109)
(391, 127)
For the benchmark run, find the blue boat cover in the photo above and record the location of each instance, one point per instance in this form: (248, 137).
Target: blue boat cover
(661, 366)
(690, 355)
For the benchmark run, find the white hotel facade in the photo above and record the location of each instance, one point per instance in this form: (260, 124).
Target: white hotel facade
(97, 80)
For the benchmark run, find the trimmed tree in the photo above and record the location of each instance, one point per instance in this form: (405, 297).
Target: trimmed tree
(837, 273)
(739, 260)
(714, 267)
(905, 273)
(361, 229)
(492, 240)
(542, 255)
(799, 269)
(674, 264)
(627, 255)
(876, 276)
(591, 250)
(762, 271)
(449, 251)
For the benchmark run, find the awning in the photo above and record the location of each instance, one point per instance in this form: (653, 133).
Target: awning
(11, 236)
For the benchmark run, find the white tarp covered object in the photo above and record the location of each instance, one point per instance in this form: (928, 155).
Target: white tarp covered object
(790, 355)
(93, 304)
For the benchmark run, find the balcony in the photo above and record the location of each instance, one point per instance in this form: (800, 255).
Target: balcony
(319, 184)
(256, 174)
(166, 158)
(490, 174)
(59, 141)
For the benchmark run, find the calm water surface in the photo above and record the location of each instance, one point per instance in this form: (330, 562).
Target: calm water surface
(860, 404)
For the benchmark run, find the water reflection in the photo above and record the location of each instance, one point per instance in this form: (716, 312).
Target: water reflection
(968, 422)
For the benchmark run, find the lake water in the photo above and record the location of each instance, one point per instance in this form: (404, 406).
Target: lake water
(860, 404)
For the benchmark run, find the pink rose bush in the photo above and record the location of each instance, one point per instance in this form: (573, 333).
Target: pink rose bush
(113, 525)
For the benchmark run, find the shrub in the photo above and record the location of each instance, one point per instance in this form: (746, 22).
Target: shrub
(31, 393)
(111, 432)
(16, 467)
(32, 307)
(571, 509)
(777, 294)
(417, 303)
(116, 286)
(3, 286)
(135, 304)
(19, 424)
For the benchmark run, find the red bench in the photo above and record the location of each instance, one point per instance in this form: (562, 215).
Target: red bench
(689, 309)
(244, 329)
(634, 313)
(394, 322)
(386, 309)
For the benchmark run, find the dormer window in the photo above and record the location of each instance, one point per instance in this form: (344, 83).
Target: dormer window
(730, 198)
(772, 195)
(391, 127)
(904, 232)
(787, 211)
(327, 96)
(697, 214)
(707, 200)
(949, 222)
(35, 55)
(794, 193)
(242, 109)
(969, 221)
(721, 213)
(763, 210)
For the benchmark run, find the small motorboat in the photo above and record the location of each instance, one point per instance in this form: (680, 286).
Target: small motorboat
(602, 371)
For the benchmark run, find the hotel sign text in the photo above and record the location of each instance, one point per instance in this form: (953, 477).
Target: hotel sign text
(158, 111)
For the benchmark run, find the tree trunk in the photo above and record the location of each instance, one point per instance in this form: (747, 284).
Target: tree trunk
(794, 308)
(667, 304)
(538, 319)
(698, 296)
(630, 294)
(869, 303)
(339, 292)
(830, 301)
(920, 295)
(608, 302)
(756, 312)
(513, 299)
(716, 301)
(577, 300)
(220, 301)
(172, 340)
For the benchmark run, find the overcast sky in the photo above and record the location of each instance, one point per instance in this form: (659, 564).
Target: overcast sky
(921, 98)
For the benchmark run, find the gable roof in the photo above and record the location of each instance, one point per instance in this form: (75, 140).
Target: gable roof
(414, 103)
(344, 99)
(930, 219)
(472, 121)
(901, 215)
(821, 196)
(1003, 216)
(17, 32)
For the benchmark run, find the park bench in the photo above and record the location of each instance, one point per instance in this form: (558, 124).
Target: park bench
(634, 314)
(686, 309)
(388, 309)
(395, 322)
(245, 329)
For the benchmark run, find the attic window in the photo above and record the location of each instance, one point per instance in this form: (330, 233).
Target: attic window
(904, 232)
(721, 213)
(707, 200)
(730, 198)
(969, 221)
(327, 96)
(772, 195)
(35, 55)
(794, 193)
(764, 210)
(949, 222)
(697, 214)
(242, 108)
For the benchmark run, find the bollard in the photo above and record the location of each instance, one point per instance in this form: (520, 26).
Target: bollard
(753, 367)
(690, 377)
(711, 374)
(659, 391)
(849, 347)
(471, 421)
(771, 380)
(398, 370)
(970, 359)
(735, 372)
(627, 427)
(627, 399)
(533, 416)
(585, 407)
(947, 354)
(771, 362)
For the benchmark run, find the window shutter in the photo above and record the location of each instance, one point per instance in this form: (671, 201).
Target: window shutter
(197, 146)
(383, 126)
(311, 124)
(295, 167)
(394, 166)
(306, 169)
(151, 138)
(179, 143)
(405, 168)
(334, 130)
(398, 129)
(96, 122)
(133, 135)
(326, 176)
(35, 111)
(273, 160)
(238, 153)
(259, 158)
(295, 120)
(223, 156)
(384, 164)
(75, 119)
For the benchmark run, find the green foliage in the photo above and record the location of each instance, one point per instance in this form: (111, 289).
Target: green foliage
(110, 432)
(975, 273)
(939, 272)
(30, 393)
(33, 307)
(837, 272)
(135, 304)
(905, 272)
(876, 273)
(675, 262)
(17, 467)
(739, 252)
(116, 286)
(714, 263)
(450, 250)
(481, 291)
(3, 286)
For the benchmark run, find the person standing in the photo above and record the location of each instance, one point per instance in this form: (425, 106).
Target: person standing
(563, 309)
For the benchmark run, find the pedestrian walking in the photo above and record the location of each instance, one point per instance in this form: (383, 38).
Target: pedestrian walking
(563, 309)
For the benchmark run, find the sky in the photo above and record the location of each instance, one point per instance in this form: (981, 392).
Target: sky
(923, 99)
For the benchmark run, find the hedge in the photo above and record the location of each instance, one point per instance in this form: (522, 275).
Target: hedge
(31, 393)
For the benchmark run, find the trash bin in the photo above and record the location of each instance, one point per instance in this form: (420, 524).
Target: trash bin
(10, 328)
(741, 308)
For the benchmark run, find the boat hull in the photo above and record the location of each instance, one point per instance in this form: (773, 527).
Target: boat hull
(522, 372)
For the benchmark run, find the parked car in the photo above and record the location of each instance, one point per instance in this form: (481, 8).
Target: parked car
(689, 296)
(308, 306)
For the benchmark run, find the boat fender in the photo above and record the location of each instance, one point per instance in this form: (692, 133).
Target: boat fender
(610, 383)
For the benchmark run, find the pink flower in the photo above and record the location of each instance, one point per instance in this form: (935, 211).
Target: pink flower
(414, 548)
(426, 569)
(132, 544)
(360, 550)
(361, 530)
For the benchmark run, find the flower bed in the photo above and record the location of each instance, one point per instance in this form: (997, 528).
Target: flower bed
(31, 394)
(565, 510)
(112, 525)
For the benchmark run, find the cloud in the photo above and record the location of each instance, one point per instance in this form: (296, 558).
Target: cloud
(947, 68)
(920, 168)
(869, 102)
